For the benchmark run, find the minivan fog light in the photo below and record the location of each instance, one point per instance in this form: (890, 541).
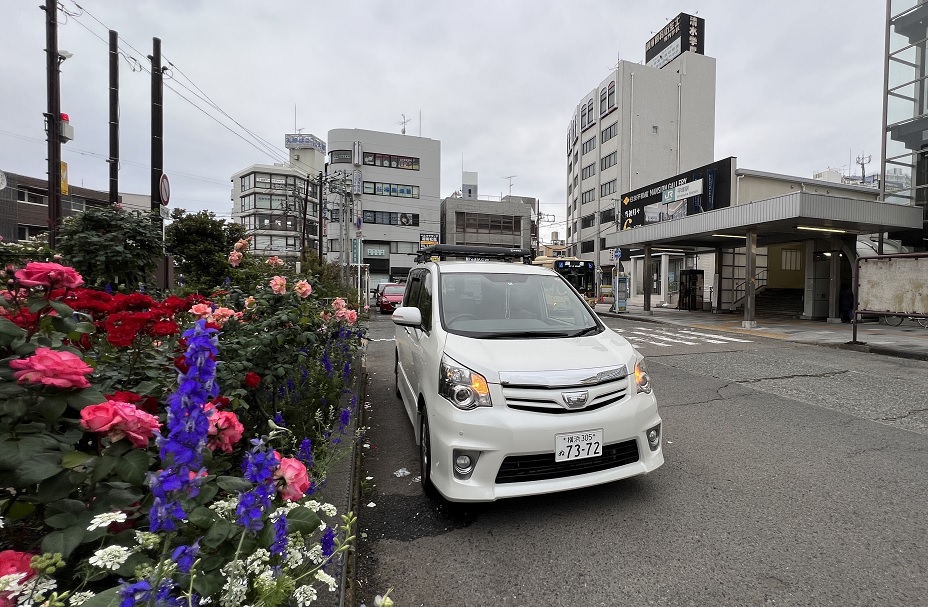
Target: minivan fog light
(464, 462)
(654, 437)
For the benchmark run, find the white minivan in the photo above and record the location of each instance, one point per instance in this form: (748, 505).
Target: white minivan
(512, 383)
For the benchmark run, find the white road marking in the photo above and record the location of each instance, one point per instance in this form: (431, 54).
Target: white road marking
(651, 336)
(688, 332)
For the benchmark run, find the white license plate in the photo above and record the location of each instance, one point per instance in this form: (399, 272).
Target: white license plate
(578, 445)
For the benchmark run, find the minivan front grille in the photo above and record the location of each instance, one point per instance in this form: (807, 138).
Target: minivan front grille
(547, 400)
(522, 468)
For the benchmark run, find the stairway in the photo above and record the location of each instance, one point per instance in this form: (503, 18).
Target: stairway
(778, 303)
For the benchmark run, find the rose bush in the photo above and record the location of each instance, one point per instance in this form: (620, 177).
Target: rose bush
(87, 380)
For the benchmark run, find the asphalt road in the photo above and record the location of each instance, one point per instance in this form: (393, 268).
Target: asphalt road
(794, 475)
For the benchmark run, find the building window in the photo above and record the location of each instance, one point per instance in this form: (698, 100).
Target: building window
(588, 221)
(609, 132)
(390, 189)
(587, 246)
(607, 188)
(340, 156)
(607, 216)
(608, 161)
(589, 110)
(602, 101)
(391, 218)
(407, 163)
(588, 171)
(589, 145)
(790, 259)
(612, 94)
(588, 196)
(467, 224)
(583, 117)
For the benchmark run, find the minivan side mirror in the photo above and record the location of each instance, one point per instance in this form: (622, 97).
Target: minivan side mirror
(407, 316)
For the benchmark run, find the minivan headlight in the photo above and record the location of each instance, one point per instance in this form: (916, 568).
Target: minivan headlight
(463, 388)
(642, 379)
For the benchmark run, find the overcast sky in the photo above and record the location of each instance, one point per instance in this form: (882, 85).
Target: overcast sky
(799, 83)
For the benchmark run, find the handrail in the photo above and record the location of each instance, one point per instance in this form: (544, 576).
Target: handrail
(760, 280)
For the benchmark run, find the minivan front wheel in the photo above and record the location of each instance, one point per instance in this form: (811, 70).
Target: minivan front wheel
(425, 454)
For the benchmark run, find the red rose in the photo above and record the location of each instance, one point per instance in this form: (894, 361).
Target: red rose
(252, 379)
(294, 476)
(181, 364)
(163, 328)
(60, 369)
(48, 275)
(148, 404)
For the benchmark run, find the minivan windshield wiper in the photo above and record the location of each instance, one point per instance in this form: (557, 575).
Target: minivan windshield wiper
(586, 331)
(522, 335)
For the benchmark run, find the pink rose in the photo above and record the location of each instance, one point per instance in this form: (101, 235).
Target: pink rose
(100, 418)
(242, 245)
(278, 285)
(224, 429)
(201, 309)
(339, 304)
(50, 275)
(303, 288)
(12, 562)
(235, 259)
(274, 261)
(120, 420)
(250, 302)
(352, 317)
(294, 476)
(60, 369)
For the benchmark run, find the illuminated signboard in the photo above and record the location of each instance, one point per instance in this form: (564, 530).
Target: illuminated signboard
(683, 33)
(566, 264)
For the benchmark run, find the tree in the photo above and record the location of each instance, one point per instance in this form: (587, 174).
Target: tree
(200, 244)
(110, 245)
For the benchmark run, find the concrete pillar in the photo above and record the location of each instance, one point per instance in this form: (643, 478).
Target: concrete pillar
(808, 293)
(648, 278)
(717, 283)
(665, 279)
(750, 277)
(834, 279)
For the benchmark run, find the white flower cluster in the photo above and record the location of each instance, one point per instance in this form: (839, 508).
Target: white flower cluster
(106, 519)
(78, 598)
(26, 593)
(236, 586)
(225, 508)
(111, 557)
(325, 578)
(147, 540)
(304, 595)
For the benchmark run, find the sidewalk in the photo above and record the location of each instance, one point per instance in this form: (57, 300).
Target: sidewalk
(908, 340)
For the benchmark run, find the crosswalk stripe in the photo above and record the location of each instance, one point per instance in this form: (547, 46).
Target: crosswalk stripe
(651, 336)
(747, 341)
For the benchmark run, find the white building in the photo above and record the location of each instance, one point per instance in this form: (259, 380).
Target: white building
(391, 199)
(639, 125)
(279, 205)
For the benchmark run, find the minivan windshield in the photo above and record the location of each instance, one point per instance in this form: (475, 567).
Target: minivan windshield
(510, 306)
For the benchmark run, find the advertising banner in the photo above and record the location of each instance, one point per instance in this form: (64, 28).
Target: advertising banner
(702, 189)
(683, 33)
(427, 240)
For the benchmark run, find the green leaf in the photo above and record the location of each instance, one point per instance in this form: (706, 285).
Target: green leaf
(63, 309)
(207, 493)
(233, 484)
(103, 467)
(73, 459)
(10, 329)
(78, 399)
(61, 521)
(133, 466)
(64, 541)
(202, 517)
(208, 584)
(146, 387)
(20, 510)
(219, 532)
(56, 488)
(302, 520)
(52, 407)
(39, 467)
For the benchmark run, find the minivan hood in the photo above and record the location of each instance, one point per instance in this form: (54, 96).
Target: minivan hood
(489, 357)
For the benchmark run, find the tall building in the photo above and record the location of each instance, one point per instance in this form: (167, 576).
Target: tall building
(389, 204)
(279, 205)
(641, 124)
(470, 220)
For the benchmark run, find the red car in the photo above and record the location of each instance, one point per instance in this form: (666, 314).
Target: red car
(391, 298)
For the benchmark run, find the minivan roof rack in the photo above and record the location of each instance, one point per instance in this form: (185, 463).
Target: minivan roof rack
(473, 253)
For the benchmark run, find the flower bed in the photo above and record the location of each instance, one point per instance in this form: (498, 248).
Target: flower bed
(139, 464)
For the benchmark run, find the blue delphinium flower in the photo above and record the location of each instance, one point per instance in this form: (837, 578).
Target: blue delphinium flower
(327, 364)
(132, 594)
(344, 419)
(327, 542)
(185, 556)
(280, 536)
(258, 467)
(279, 420)
(346, 371)
(108, 288)
(305, 453)
(181, 451)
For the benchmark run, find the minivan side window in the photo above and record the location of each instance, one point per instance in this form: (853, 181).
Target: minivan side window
(419, 295)
(411, 297)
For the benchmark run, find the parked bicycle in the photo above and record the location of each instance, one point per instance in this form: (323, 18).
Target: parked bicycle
(896, 320)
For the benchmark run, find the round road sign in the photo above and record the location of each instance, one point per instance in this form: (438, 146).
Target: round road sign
(165, 189)
(2, 180)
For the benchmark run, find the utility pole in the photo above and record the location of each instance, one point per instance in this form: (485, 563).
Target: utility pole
(114, 117)
(863, 160)
(53, 120)
(321, 208)
(157, 127)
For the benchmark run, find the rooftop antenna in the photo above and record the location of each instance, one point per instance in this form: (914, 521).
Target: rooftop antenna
(510, 178)
(862, 161)
(404, 122)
